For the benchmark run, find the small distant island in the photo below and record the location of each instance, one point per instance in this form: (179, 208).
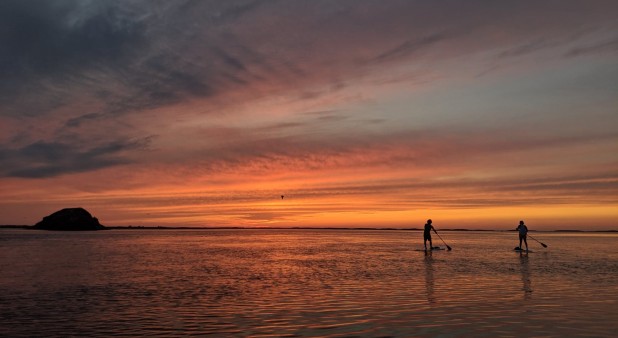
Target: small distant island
(70, 219)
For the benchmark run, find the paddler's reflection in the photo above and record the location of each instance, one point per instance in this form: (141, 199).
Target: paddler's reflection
(525, 275)
(429, 282)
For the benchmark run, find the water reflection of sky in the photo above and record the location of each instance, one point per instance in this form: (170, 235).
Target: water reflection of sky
(307, 283)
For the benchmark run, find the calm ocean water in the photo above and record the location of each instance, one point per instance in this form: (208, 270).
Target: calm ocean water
(299, 283)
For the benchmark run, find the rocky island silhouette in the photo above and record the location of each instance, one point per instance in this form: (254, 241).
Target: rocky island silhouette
(70, 219)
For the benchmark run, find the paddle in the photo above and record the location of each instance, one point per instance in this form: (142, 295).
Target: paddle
(448, 247)
(543, 244)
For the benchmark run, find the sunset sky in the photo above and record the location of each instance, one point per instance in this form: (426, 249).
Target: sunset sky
(361, 113)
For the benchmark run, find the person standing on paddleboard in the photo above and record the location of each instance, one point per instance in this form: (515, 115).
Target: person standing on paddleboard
(523, 233)
(427, 234)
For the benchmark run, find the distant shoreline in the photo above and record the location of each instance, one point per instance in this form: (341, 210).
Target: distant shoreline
(130, 227)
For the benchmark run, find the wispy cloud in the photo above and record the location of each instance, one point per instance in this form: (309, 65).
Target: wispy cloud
(142, 55)
(244, 95)
(607, 46)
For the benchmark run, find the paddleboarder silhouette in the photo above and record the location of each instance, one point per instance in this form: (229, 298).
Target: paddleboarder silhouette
(427, 234)
(523, 233)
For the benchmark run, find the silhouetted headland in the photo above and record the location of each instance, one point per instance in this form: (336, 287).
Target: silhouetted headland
(70, 219)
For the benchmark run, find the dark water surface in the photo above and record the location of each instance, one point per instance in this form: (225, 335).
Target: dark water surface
(330, 283)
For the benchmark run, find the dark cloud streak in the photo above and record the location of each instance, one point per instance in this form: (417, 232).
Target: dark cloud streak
(608, 46)
(42, 40)
(410, 47)
(49, 159)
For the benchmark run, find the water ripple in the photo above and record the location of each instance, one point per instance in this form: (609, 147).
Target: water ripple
(302, 284)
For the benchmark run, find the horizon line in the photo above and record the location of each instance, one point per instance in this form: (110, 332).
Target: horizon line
(154, 227)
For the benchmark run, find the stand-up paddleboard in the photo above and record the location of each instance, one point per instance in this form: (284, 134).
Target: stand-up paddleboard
(435, 248)
(518, 249)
